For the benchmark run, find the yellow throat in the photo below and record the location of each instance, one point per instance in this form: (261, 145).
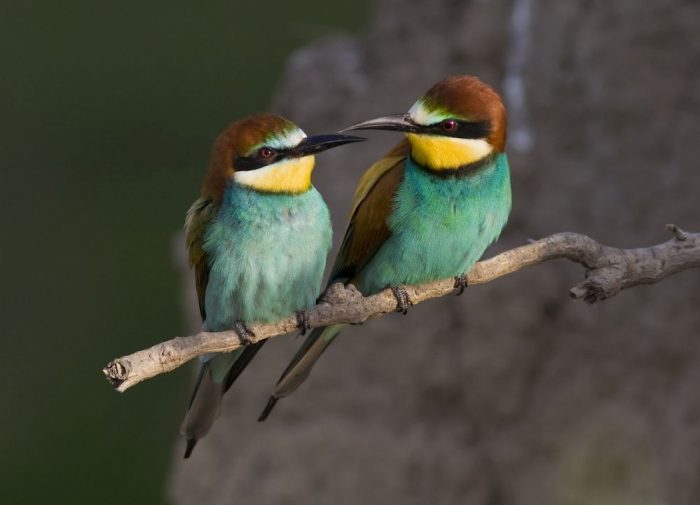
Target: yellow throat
(286, 176)
(446, 153)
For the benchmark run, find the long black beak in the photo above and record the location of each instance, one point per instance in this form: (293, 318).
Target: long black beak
(394, 122)
(319, 143)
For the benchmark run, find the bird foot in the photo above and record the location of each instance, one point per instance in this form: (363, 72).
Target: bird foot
(403, 302)
(302, 321)
(461, 282)
(245, 335)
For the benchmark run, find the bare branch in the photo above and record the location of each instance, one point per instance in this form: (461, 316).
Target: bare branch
(608, 271)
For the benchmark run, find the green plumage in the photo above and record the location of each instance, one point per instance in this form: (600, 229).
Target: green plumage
(438, 227)
(267, 253)
(261, 258)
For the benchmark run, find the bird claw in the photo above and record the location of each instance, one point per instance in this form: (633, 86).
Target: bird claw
(461, 282)
(302, 321)
(245, 335)
(403, 302)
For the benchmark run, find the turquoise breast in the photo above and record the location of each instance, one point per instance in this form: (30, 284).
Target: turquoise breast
(440, 226)
(267, 255)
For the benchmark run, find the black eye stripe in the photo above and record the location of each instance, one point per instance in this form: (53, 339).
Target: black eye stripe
(464, 130)
(247, 163)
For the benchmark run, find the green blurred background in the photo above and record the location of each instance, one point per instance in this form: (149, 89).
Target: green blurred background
(107, 114)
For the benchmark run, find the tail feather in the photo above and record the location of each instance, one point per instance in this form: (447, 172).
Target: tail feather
(205, 403)
(300, 367)
(204, 408)
(191, 442)
(202, 370)
(241, 363)
(268, 408)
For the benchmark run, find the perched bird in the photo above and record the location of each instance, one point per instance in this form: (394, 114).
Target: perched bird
(258, 237)
(427, 210)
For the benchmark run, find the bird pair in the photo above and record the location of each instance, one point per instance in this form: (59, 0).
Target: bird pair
(259, 234)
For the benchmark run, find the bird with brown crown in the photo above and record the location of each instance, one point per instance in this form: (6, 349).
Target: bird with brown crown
(427, 210)
(258, 237)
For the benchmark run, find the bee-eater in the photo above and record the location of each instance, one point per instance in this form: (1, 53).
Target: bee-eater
(427, 210)
(258, 237)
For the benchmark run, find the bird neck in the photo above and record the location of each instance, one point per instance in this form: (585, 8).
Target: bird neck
(438, 153)
(291, 176)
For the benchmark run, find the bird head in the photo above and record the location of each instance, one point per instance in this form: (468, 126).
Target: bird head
(459, 121)
(267, 153)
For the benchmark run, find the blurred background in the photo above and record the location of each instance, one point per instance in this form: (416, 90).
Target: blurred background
(511, 394)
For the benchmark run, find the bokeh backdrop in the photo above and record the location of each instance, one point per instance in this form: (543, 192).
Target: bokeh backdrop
(511, 394)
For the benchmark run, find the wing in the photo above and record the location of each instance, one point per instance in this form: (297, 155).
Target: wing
(198, 218)
(372, 205)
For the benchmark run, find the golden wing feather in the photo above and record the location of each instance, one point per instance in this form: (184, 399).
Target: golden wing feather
(198, 218)
(372, 205)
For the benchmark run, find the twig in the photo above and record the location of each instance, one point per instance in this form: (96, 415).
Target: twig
(608, 271)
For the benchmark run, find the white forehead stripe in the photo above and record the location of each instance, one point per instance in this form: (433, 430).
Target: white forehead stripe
(289, 139)
(422, 116)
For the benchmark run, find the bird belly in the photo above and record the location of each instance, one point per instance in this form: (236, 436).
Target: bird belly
(440, 226)
(268, 253)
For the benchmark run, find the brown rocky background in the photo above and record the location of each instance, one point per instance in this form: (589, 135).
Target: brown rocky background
(513, 393)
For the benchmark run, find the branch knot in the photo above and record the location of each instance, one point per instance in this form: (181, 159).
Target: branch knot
(678, 234)
(117, 371)
(341, 294)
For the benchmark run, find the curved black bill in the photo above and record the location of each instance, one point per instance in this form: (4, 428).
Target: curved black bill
(318, 143)
(394, 122)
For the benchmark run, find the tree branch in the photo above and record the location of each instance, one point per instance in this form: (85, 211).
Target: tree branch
(608, 271)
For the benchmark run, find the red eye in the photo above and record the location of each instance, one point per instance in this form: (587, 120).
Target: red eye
(449, 125)
(266, 152)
